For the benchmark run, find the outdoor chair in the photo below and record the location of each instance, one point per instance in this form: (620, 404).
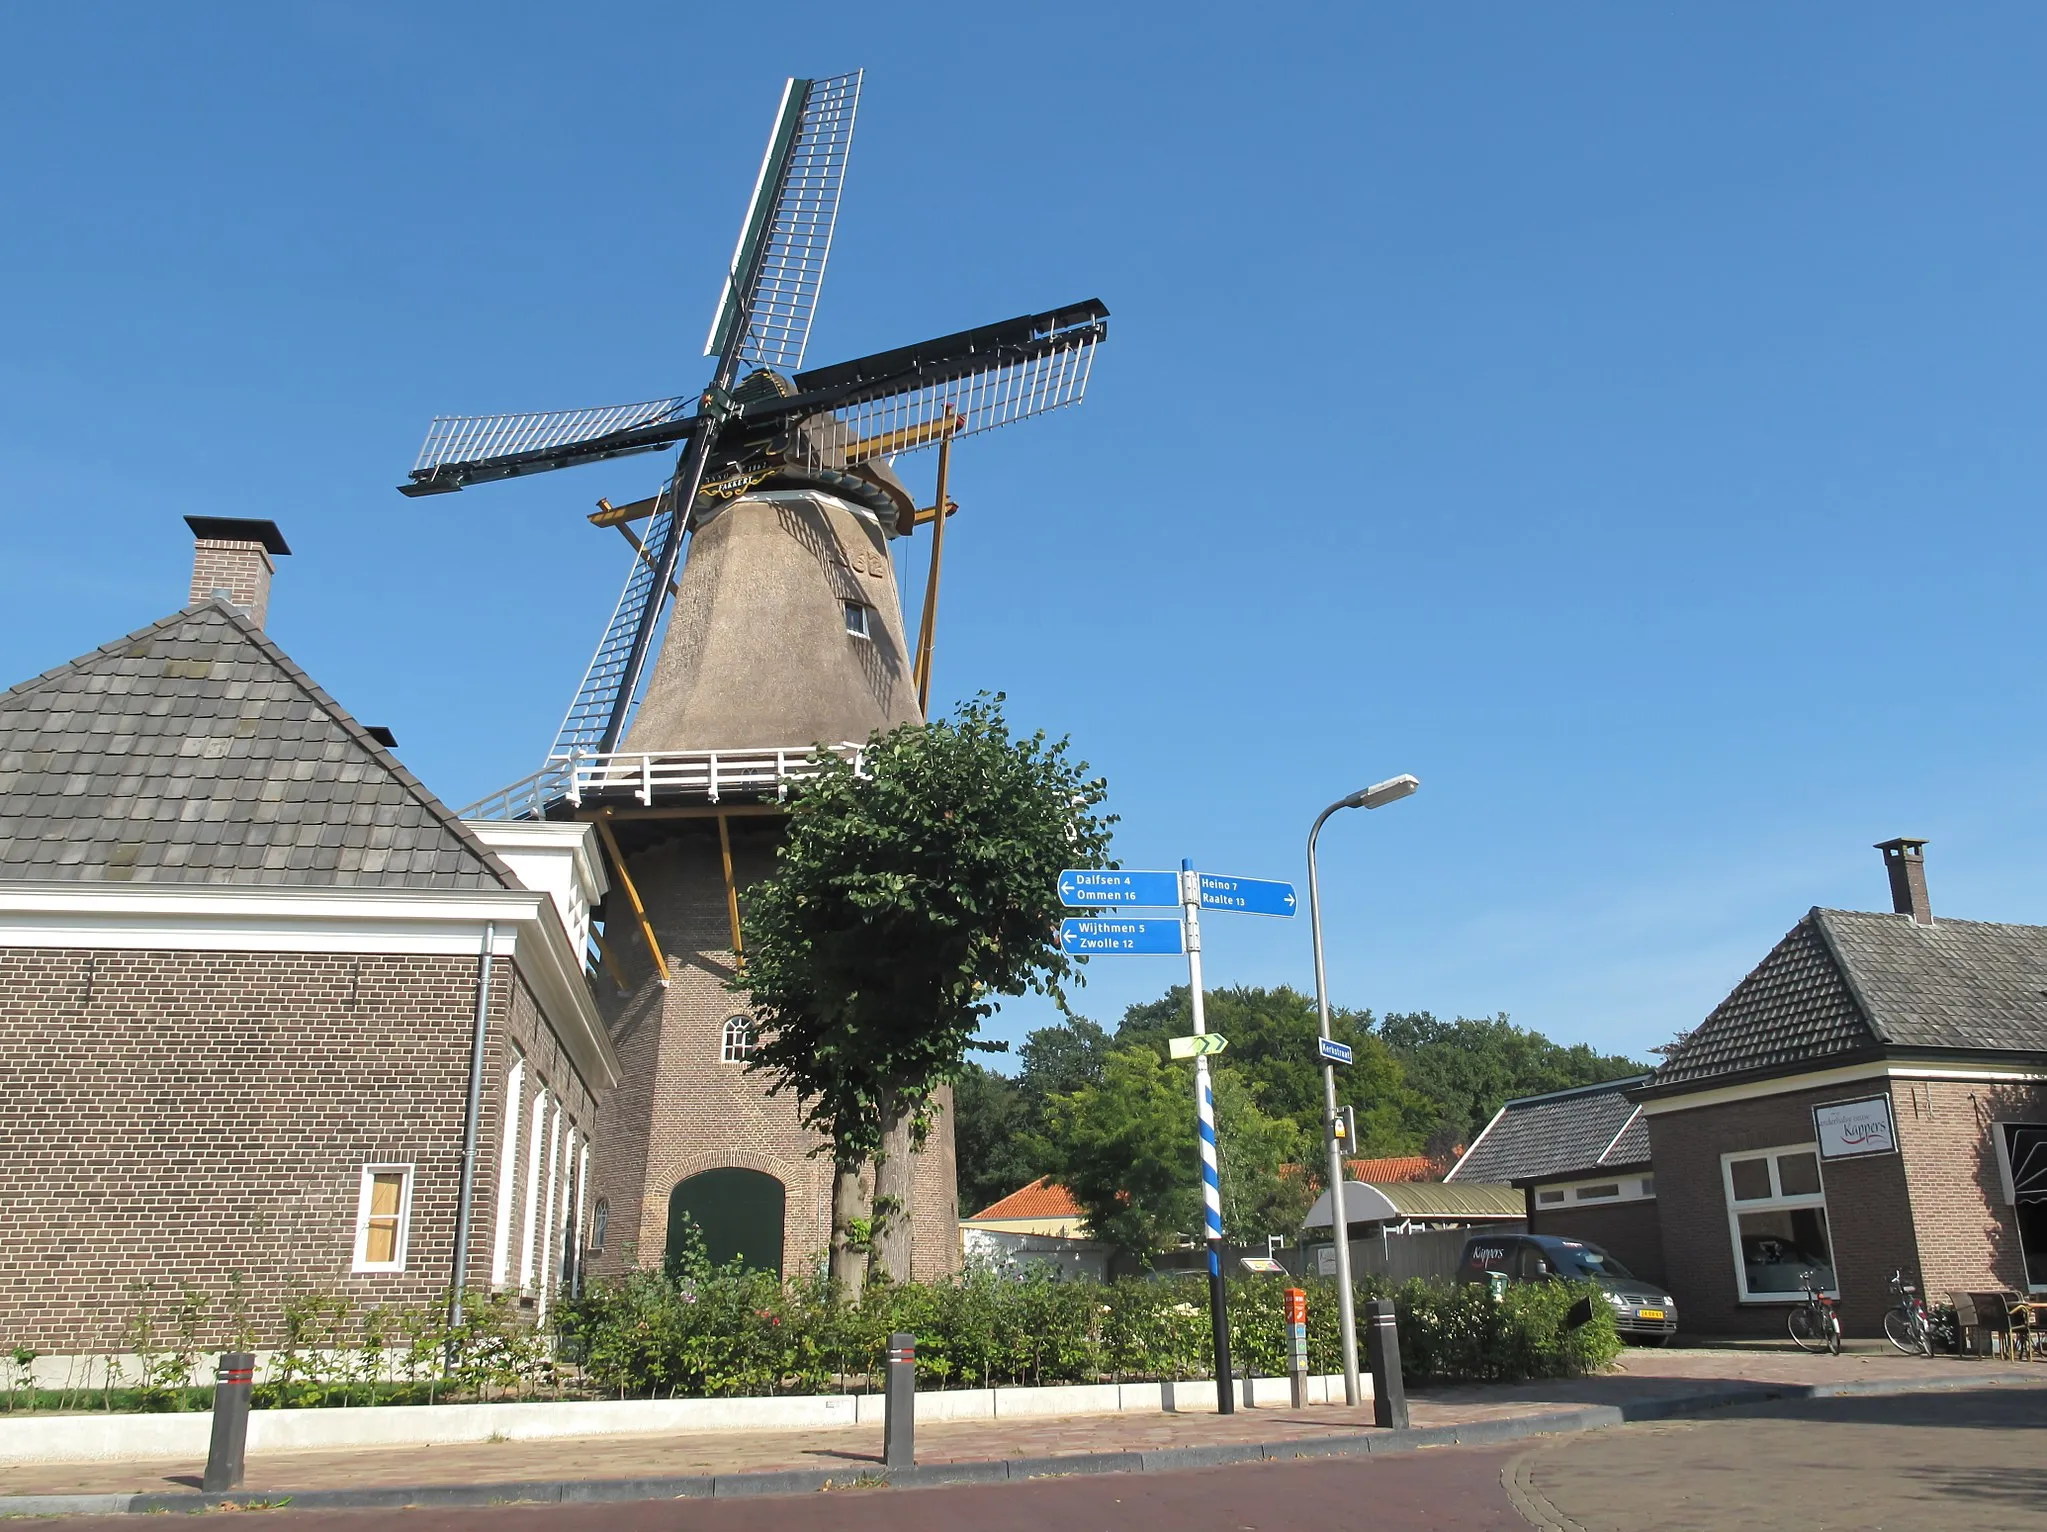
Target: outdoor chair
(1968, 1325)
(2006, 1315)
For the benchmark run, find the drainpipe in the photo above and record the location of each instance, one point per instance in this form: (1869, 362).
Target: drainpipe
(467, 1196)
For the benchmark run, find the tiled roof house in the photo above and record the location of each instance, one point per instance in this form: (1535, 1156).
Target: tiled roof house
(1871, 1097)
(266, 1006)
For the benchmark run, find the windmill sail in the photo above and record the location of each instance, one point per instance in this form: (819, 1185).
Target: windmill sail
(786, 238)
(474, 449)
(598, 699)
(899, 401)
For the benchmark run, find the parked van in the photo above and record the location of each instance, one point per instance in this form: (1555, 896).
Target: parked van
(1641, 1311)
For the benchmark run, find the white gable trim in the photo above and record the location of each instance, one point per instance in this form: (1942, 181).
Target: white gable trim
(1847, 1074)
(219, 917)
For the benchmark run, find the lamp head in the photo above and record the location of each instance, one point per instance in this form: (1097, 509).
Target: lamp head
(1381, 793)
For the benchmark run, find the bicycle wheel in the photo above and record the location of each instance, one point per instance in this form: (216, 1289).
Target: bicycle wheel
(1808, 1331)
(1833, 1332)
(1901, 1332)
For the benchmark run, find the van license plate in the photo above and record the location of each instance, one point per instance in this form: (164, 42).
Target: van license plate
(1650, 1313)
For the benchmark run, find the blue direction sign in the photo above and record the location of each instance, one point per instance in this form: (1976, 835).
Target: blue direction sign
(1082, 936)
(1248, 896)
(1082, 888)
(1332, 1050)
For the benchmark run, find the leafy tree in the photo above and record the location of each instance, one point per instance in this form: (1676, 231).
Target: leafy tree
(1272, 1036)
(1125, 1147)
(997, 1119)
(988, 1136)
(1468, 1067)
(907, 895)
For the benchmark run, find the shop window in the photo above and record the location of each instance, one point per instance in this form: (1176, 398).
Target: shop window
(738, 1042)
(1777, 1217)
(383, 1214)
(2022, 1149)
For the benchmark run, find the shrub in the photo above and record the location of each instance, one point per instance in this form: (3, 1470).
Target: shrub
(691, 1330)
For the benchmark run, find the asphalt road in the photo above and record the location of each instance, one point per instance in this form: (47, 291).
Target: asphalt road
(1968, 1461)
(1972, 1460)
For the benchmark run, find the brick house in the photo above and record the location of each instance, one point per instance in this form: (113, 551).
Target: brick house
(1581, 1160)
(1872, 1097)
(266, 1005)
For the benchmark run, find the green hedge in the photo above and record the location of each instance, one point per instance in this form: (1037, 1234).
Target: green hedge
(669, 1334)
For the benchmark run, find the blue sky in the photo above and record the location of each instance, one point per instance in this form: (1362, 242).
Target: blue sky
(1624, 418)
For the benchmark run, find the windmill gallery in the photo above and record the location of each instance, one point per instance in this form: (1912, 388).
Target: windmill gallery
(294, 1022)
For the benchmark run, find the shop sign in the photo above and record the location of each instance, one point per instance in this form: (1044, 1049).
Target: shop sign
(1847, 1129)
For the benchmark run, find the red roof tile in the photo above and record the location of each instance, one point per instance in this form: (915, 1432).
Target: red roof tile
(1041, 1199)
(1402, 1167)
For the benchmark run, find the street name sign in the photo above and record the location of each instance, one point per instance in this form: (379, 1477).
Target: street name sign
(1093, 887)
(1097, 937)
(1247, 896)
(1330, 1049)
(1201, 1044)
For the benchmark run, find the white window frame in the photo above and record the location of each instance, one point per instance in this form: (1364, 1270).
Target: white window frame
(529, 1231)
(403, 1169)
(728, 1051)
(1777, 1201)
(554, 1165)
(1625, 1189)
(866, 612)
(508, 1171)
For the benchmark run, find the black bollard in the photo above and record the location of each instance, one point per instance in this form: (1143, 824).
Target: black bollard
(899, 1404)
(230, 1421)
(1382, 1344)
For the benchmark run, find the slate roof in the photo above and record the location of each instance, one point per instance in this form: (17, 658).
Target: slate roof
(195, 751)
(1844, 983)
(1590, 1128)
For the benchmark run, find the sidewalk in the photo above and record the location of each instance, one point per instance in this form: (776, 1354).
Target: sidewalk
(1645, 1383)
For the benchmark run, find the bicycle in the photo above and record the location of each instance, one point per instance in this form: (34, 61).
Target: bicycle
(1814, 1324)
(1906, 1324)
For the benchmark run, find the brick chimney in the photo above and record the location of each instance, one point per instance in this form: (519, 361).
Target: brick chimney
(1905, 861)
(232, 559)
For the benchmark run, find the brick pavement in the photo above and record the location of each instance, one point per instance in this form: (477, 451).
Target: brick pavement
(1640, 1375)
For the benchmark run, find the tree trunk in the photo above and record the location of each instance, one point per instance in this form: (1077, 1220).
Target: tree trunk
(848, 1265)
(893, 1171)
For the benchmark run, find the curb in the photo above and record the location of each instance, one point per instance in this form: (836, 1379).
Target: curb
(804, 1481)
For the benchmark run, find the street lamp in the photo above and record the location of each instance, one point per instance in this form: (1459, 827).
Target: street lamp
(1376, 796)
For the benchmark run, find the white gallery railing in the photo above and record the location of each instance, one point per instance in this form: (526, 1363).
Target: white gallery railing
(668, 777)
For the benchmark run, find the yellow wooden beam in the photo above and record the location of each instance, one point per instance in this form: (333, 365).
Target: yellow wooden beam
(902, 441)
(609, 515)
(731, 893)
(625, 881)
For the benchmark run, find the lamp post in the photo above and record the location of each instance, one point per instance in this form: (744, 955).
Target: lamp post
(1372, 797)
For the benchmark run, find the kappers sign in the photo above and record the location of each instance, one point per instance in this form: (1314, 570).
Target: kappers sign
(1848, 1128)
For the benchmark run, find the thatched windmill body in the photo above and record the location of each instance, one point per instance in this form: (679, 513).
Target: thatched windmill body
(783, 629)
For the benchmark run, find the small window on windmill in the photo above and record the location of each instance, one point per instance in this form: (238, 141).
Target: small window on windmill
(738, 1040)
(857, 614)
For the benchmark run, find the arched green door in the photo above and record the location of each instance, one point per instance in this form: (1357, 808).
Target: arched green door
(738, 1212)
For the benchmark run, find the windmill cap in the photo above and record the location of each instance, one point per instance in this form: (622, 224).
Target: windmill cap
(232, 529)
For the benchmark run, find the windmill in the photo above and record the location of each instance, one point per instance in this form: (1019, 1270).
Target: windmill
(762, 423)
(783, 629)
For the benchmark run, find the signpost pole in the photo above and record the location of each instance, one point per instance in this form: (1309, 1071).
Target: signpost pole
(1211, 1185)
(1339, 1226)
